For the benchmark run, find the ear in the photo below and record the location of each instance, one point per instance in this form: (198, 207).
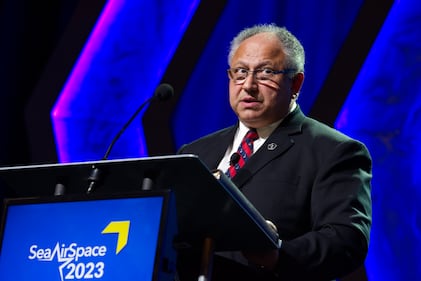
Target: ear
(297, 82)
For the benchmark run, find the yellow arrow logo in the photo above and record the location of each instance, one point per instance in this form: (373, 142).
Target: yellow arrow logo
(122, 229)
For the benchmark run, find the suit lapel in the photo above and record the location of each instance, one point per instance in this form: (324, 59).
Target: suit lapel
(279, 142)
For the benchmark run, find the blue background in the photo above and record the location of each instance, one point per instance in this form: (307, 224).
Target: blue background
(50, 114)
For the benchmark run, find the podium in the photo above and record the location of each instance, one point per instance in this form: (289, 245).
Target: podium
(209, 210)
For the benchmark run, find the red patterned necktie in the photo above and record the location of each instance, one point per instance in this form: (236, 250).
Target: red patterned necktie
(243, 153)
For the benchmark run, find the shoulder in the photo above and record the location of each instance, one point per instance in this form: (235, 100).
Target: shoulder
(297, 123)
(328, 139)
(321, 130)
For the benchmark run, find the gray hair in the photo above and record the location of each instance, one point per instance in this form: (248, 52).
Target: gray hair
(294, 51)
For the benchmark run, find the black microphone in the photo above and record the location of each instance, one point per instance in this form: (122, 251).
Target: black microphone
(235, 157)
(162, 93)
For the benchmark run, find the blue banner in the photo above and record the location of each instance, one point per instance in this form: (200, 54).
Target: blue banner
(113, 239)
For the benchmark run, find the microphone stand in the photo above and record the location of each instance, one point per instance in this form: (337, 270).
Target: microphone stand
(163, 92)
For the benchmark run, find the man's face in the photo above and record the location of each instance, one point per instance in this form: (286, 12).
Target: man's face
(259, 103)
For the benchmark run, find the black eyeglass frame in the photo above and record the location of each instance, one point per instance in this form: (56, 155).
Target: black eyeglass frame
(271, 73)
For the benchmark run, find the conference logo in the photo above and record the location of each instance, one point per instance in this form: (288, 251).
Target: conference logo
(72, 256)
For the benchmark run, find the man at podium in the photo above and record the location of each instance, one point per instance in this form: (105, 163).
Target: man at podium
(311, 181)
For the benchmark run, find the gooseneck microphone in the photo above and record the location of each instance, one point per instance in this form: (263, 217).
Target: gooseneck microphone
(162, 93)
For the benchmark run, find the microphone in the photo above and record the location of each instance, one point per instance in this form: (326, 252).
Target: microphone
(235, 157)
(162, 93)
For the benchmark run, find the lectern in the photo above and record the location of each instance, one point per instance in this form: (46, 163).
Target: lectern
(207, 205)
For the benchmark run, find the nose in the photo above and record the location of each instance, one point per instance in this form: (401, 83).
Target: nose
(250, 82)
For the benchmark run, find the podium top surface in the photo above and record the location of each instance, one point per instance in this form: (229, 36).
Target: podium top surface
(205, 206)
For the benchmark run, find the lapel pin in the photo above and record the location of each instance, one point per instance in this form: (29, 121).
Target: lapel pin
(272, 146)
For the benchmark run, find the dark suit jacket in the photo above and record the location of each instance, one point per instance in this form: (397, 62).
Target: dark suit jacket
(314, 183)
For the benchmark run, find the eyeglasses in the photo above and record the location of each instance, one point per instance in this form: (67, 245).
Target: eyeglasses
(238, 75)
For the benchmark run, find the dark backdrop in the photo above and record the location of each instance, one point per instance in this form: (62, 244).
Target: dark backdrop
(60, 103)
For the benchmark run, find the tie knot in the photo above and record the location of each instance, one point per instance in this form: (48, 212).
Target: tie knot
(252, 135)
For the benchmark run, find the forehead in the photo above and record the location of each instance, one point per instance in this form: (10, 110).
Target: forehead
(262, 47)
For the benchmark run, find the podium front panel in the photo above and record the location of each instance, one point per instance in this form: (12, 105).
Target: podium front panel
(83, 239)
